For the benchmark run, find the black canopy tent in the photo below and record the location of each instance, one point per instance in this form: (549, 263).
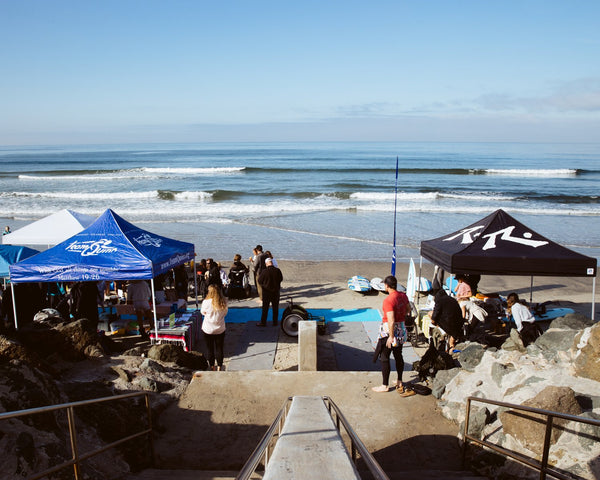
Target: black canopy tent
(500, 245)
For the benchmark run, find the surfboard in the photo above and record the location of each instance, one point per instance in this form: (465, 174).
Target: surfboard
(377, 284)
(552, 313)
(359, 284)
(411, 287)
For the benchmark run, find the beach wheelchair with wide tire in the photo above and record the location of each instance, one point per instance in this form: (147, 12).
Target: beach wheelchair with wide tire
(294, 314)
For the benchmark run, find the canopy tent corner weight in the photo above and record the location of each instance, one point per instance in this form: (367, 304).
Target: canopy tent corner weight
(498, 244)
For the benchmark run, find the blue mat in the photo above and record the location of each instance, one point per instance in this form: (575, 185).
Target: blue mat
(243, 315)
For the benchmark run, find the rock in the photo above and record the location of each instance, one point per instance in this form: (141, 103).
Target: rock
(589, 435)
(471, 355)
(93, 351)
(514, 342)
(193, 361)
(150, 365)
(529, 428)
(554, 341)
(587, 353)
(148, 384)
(573, 321)
(165, 353)
(12, 350)
(499, 370)
(122, 374)
(478, 419)
(442, 378)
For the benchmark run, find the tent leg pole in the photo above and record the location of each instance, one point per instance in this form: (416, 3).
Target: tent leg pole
(196, 287)
(593, 296)
(418, 292)
(531, 290)
(12, 292)
(154, 305)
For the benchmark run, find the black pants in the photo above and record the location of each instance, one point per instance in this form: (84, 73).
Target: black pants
(269, 297)
(529, 332)
(385, 361)
(214, 347)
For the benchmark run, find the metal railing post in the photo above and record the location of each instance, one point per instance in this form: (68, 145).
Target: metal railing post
(466, 431)
(73, 437)
(546, 451)
(76, 456)
(541, 466)
(150, 436)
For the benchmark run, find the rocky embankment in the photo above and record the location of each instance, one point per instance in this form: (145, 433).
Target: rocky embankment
(559, 372)
(50, 363)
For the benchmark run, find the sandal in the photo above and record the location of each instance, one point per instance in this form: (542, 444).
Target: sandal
(400, 388)
(407, 392)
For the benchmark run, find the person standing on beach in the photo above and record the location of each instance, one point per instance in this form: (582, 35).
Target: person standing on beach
(258, 266)
(270, 281)
(139, 294)
(392, 334)
(214, 309)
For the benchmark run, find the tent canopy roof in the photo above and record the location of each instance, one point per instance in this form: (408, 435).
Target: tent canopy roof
(500, 245)
(109, 249)
(50, 230)
(10, 254)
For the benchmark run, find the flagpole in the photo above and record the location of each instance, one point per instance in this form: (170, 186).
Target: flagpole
(393, 273)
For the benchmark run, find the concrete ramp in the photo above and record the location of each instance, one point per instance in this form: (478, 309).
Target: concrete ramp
(309, 443)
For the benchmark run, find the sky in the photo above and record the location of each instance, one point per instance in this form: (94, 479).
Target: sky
(128, 71)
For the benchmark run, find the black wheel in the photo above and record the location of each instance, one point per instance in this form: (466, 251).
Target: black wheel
(290, 324)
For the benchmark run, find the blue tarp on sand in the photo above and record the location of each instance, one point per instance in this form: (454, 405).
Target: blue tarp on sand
(243, 315)
(10, 254)
(109, 249)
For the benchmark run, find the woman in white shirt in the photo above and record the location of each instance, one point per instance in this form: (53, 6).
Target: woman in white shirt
(524, 319)
(214, 309)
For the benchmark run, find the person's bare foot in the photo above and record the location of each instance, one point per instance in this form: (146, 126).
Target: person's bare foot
(381, 389)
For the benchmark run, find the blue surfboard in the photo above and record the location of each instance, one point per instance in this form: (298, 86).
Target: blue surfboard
(359, 284)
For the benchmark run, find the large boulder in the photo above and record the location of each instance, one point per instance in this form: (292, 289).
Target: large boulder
(175, 354)
(471, 355)
(529, 428)
(587, 353)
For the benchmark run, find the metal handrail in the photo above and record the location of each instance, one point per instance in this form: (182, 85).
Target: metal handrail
(262, 450)
(355, 442)
(542, 466)
(76, 457)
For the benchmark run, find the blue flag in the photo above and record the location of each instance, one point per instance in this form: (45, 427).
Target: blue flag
(395, 204)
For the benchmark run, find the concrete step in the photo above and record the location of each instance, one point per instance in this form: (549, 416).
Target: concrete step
(156, 474)
(431, 475)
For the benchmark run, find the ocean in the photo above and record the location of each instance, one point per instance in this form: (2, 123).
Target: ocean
(311, 201)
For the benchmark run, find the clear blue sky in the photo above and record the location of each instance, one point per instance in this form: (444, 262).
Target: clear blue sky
(127, 71)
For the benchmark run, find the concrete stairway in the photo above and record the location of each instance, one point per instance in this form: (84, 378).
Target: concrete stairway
(154, 474)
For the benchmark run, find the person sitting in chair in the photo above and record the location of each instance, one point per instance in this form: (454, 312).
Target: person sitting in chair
(524, 319)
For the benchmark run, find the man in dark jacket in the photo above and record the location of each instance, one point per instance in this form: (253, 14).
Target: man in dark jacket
(270, 281)
(259, 266)
(448, 316)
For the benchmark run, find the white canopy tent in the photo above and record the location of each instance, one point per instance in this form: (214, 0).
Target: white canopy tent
(50, 230)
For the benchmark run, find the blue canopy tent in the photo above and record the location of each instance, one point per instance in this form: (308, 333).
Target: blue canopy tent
(109, 249)
(10, 254)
